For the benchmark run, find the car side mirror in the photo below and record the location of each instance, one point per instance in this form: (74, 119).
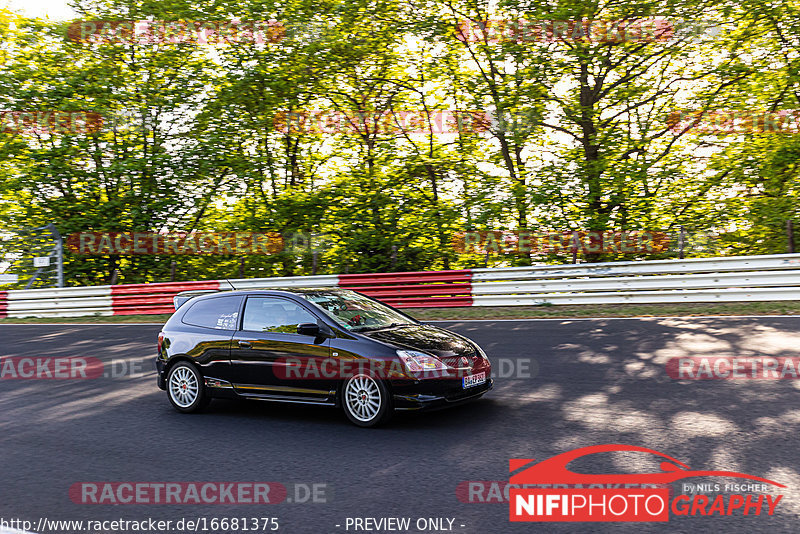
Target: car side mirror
(308, 329)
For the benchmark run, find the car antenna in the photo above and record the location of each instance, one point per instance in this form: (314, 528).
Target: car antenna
(230, 284)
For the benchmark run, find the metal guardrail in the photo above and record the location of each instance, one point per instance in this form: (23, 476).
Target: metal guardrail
(738, 278)
(741, 278)
(642, 297)
(694, 265)
(619, 283)
(59, 302)
(436, 289)
(150, 299)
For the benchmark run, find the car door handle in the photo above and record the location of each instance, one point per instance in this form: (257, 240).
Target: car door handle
(245, 345)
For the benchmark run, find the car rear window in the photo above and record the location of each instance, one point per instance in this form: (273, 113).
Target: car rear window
(221, 313)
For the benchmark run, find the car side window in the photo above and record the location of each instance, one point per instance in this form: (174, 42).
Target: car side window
(220, 313)
(269, 314)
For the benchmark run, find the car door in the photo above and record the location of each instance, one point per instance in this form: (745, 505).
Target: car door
(267, 351)
(208, 325)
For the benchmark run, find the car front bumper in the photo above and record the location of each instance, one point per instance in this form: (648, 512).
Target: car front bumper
(441, 394)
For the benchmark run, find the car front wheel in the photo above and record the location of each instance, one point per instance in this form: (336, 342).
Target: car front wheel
(185, 388)
(366, 401)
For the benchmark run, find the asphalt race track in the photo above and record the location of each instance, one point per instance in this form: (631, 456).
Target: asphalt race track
(591, 382)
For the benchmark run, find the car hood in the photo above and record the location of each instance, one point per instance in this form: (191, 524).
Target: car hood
(430, 339)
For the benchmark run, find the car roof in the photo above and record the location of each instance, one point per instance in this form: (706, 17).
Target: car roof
(264, 290)
(202, 294)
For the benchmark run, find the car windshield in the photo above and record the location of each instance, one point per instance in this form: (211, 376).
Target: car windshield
(356, 312)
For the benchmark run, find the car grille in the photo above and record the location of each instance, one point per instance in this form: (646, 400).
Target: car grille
(457, 363)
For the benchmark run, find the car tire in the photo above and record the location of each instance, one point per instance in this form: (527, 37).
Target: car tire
(366, 401)
(186, 388)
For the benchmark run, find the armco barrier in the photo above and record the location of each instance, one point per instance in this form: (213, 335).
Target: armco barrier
(62, 302)
(738, 278)
(148, 299)
(694, 265)
(435, 289)
(744, 278)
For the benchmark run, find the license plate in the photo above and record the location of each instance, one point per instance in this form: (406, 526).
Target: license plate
(473, 380)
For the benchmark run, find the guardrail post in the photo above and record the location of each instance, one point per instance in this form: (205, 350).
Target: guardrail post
(59, 255)
(790, 236)
(575, 241)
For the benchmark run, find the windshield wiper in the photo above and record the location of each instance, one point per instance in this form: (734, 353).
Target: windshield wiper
(376, 328)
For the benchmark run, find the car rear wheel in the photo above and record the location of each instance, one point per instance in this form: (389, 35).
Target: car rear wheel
(185, 388)
(366, 401)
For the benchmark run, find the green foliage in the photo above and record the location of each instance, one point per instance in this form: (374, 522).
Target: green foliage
(577, 132)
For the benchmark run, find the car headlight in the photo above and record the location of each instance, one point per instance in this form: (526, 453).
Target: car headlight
(416, 361)
(480, 351)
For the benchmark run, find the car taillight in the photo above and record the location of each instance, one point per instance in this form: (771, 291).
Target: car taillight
(160, 341)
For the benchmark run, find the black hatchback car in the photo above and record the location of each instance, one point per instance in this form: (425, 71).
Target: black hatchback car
(314, 346)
